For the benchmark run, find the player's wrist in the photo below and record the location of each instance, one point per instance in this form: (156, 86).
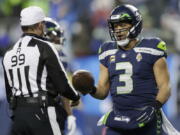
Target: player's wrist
(158, 104)
(93, 91)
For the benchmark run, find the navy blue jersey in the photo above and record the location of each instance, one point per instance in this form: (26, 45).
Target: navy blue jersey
(65, 61)
(132, 81)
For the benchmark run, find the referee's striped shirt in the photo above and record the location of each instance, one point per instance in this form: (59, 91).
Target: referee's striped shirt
(32, 64)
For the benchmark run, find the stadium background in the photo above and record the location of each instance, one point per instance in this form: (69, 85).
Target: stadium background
(85, 25)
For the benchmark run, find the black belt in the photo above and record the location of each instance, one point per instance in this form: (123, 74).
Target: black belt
(27, 101)
(33, 101)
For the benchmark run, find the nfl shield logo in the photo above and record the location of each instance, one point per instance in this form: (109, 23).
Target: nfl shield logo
(139, 57)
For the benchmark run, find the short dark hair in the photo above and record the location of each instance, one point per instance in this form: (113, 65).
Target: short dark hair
(29, 27)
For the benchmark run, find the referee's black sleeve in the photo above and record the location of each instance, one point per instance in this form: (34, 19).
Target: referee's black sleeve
(56, 73)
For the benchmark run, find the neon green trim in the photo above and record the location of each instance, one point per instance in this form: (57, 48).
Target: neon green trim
(99, 51)
(125, 15)
(159, 121)
(158, 132)
(141, 125)
(51, 29)
(105, 118)
(162, 46)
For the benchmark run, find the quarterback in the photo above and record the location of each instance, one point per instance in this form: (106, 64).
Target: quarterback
(135, 72)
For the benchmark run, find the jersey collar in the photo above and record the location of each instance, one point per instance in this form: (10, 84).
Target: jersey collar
(34, 35)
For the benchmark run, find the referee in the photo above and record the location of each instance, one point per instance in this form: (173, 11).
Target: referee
(55, 34)
(34, 76)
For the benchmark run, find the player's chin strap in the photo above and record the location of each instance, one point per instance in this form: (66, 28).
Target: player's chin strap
(123, 42)
(167, 126)
(126, 41)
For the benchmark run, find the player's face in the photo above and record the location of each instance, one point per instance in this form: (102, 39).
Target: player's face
(121, 30)
(54, 39)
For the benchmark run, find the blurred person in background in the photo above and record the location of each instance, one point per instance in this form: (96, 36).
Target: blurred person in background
(55, 34)
(135, 72)
(34, 77)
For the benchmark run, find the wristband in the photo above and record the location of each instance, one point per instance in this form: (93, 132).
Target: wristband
(158, 104)
(93, 90)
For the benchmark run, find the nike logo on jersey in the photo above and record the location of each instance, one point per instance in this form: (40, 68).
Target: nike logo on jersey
(149, 51)
(122, 118)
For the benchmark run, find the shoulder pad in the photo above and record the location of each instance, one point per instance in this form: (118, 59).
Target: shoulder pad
(153, 46)
(107, 46)
(155, 43)
(105, 50)
(162, 45)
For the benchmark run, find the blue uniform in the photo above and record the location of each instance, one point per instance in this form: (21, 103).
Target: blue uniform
(62, 114)
(64, 60)
(132, 81)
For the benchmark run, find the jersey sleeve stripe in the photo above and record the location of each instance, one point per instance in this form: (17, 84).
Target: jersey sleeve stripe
(107, 53)
(149, 51)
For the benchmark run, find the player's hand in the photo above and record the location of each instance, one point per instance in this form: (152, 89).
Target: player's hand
(146, 116)
(71, 125)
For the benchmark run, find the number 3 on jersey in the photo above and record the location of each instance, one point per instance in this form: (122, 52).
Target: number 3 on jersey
(126, 77)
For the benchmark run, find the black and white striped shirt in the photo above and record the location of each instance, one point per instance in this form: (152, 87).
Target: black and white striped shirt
(32, 64)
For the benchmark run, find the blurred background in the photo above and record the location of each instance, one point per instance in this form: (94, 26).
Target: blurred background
(85, 25)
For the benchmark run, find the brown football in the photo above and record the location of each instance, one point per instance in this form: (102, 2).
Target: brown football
(83, 81)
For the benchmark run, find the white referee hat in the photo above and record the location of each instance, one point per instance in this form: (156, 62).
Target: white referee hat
(31, 15)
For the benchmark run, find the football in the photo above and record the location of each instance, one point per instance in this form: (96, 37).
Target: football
(83, 81)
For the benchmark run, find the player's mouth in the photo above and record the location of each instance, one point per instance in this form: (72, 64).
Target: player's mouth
(120, 37)
(121, 34)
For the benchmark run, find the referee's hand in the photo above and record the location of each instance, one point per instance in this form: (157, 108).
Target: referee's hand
(75, 103)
